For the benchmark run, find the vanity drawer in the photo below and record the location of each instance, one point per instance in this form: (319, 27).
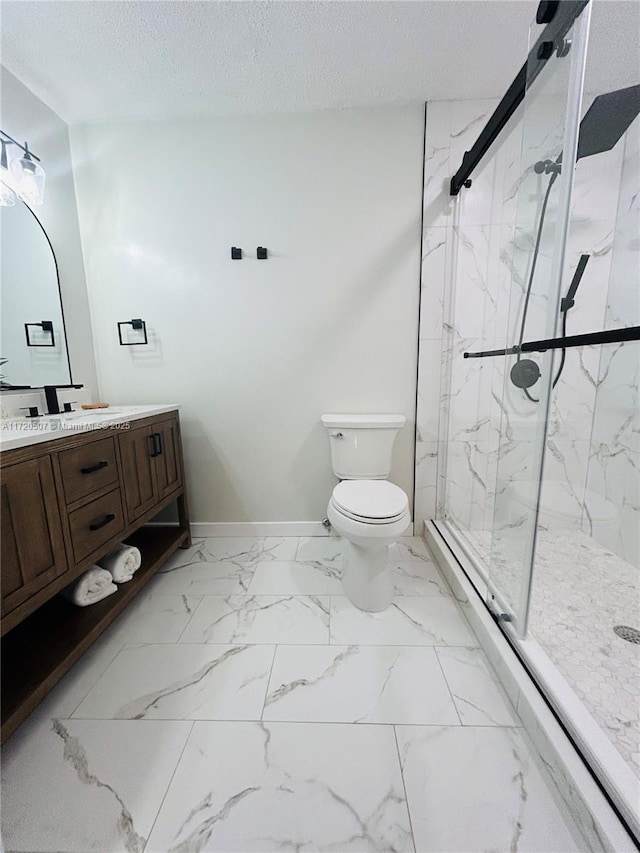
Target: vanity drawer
(95, 523)
(88, 468)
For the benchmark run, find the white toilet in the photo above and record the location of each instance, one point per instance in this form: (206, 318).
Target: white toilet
(365, 508)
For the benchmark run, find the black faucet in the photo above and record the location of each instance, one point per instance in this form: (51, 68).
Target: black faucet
(51, 395)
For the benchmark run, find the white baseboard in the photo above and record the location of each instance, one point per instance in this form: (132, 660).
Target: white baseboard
(204, 529)
(258, 528)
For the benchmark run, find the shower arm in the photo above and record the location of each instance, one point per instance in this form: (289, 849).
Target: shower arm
(607, 336)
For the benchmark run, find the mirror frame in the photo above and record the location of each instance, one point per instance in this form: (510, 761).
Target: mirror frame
(64, 324)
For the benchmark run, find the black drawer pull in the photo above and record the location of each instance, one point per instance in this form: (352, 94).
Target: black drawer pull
(98, 524)
(156, 444)
(93, 468)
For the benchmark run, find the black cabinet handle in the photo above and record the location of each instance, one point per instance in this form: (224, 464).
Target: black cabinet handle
(93, 468)
(98, 524)
(156, 444)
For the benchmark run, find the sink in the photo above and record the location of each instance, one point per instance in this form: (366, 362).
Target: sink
(89, 413)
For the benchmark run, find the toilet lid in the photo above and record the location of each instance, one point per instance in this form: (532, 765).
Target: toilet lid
(376, 499)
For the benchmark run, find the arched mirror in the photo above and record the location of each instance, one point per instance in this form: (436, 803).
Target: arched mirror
(33, 344)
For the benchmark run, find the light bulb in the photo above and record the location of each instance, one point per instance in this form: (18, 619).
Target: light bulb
(29, 180)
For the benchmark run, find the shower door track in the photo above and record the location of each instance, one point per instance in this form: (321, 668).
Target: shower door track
(535, 663)
(539, 55)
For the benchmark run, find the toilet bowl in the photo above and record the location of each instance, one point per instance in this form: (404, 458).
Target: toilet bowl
(365, 508)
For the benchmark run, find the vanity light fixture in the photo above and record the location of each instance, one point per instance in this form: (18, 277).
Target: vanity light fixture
(24, 175)
(7, 196)
(30, 178)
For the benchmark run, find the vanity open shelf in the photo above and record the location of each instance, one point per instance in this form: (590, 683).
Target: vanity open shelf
(42, 648)
(67, 502)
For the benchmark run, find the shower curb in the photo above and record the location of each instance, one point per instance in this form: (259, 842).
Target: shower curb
(582, 802)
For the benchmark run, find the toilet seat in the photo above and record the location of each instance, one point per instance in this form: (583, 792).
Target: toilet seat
(370, 501)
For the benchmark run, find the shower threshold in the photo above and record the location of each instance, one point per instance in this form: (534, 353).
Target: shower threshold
(589, 675)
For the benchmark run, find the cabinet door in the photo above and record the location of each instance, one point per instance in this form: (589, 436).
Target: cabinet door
(138, 471)
(168, 469)
(32, 547)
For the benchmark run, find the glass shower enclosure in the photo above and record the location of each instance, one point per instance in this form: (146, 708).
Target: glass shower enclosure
(540, 481)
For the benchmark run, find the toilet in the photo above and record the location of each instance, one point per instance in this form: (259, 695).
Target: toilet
(365, 508)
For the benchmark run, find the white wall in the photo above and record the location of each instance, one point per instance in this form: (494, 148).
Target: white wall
(25, 117)
(255, 351)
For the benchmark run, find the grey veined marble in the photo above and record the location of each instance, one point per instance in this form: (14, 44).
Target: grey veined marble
(240, 723)
(285, 786)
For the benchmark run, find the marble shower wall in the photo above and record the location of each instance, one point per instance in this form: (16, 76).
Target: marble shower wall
(614, 453)
(476, 432)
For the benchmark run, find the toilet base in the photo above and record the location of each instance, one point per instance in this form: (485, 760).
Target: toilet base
(366, 578)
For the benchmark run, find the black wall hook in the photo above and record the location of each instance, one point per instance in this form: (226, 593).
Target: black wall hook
(236, 253)
(261, 253)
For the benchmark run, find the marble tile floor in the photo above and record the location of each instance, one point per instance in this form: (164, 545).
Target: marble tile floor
(242, 704)
(580, 592)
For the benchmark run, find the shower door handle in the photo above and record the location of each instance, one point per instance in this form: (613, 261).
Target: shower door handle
(606, 336)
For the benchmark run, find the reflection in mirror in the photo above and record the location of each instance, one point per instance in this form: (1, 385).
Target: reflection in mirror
(30, 294)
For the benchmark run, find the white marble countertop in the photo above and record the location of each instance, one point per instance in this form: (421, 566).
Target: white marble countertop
(23, 431)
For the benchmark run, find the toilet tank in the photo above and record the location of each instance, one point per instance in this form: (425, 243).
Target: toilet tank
(362, 445)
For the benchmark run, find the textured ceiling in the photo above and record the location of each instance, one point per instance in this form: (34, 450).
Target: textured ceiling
(104, 61)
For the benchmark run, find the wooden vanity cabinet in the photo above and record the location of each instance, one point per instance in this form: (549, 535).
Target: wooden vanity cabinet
(138, 481)
(65, 504)
(168, 468)
(32, 547)
(151, 464)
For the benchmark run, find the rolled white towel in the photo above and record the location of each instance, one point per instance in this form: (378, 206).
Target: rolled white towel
(90, 587)
(122, 562)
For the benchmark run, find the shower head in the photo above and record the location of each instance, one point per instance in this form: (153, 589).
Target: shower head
(607, 120)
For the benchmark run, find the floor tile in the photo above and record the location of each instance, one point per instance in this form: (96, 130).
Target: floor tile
(82, 785)
(74, 686)
(154, 617)
(410, 548)
(250, 549)
(479, 699)
(417, 577)
(409, 621)
(149, 618)
(215, 577)
(366, 684)
(292, 578)
(178, 682)
(477, 789)
(327, 550)
(244, 787)
(260, 619)
(186, 556)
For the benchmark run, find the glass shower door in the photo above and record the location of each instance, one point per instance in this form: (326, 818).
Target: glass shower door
(532, 261)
